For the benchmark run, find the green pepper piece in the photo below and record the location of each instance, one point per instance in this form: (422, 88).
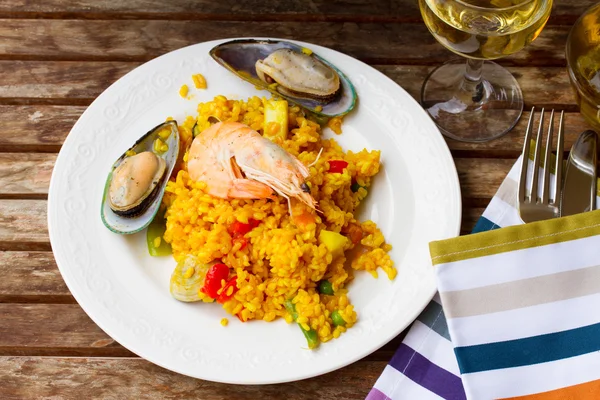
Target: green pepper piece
(311, 338)
(311, 335)
(325, 287)
(195, 130)
(157, 229)
(337, 318)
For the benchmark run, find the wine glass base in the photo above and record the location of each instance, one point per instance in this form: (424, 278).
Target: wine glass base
(486, 113)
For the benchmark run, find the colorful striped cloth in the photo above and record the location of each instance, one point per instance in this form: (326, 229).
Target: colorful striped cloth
(425, 365)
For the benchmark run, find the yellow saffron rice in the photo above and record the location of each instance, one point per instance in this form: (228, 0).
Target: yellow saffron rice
(199, 81)
(283, 259)
(183, 91)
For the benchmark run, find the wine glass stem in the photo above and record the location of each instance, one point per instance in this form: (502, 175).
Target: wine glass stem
(472, 82)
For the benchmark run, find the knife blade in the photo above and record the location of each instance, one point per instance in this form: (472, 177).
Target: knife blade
(579, 187)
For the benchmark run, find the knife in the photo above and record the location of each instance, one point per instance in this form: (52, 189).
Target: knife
(579, 187)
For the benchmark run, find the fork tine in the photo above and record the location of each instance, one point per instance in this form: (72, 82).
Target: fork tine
(525, 158)
(546, 181)
(560, 145)
(536, 160)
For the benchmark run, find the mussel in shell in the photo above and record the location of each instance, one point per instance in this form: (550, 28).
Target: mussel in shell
(136, 183)
(299, 75)
(289, 71)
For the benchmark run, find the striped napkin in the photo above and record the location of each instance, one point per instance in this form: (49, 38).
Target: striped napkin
(425, 365)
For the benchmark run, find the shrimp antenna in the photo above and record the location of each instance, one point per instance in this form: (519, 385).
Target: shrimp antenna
(316, 159)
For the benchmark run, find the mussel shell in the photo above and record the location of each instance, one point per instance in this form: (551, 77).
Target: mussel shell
(240, 56)
(139, 217)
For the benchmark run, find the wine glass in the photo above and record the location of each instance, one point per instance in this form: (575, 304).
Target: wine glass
(477, 101)
(583, 64)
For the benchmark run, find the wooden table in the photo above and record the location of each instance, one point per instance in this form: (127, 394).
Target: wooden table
(57, 56)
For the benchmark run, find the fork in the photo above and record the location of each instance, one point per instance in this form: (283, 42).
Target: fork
(531, 207)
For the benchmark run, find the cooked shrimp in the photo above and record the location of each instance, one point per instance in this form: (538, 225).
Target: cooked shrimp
(235, 161)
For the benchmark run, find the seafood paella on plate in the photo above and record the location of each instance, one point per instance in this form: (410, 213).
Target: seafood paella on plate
(256, 207)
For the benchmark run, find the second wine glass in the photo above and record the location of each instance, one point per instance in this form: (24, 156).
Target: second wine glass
(477, 101)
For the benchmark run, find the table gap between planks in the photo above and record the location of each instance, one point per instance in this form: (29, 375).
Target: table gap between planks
(57, 56)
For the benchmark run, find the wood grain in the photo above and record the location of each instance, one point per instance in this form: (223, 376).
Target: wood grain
(312, 10)
(384, 43)
(36, 128)
(23, 225)
(565, 11)
(71, 378)
(59, 329)
(59, 80)
(25, 174)
(31, 277)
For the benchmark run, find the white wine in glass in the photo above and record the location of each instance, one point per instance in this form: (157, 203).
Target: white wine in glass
(477, 101)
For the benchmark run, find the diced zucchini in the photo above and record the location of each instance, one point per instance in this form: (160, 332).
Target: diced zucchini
(276, 119)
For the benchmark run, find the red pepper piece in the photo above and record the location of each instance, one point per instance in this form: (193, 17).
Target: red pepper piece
(212, 281)
(224, 296)
(240, 229)
(337, 166)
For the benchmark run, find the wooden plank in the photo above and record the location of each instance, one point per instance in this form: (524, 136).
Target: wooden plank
(59, 80)
(207, 9)
(37, 128)
(141, 40)
(480, 177)
(57, 329)
(470, 215)
(25, 174)
(564, 11)
(23, 225)
(31, 277)
(37, 377)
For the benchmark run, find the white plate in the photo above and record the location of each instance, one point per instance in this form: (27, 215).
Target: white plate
(415, 199)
